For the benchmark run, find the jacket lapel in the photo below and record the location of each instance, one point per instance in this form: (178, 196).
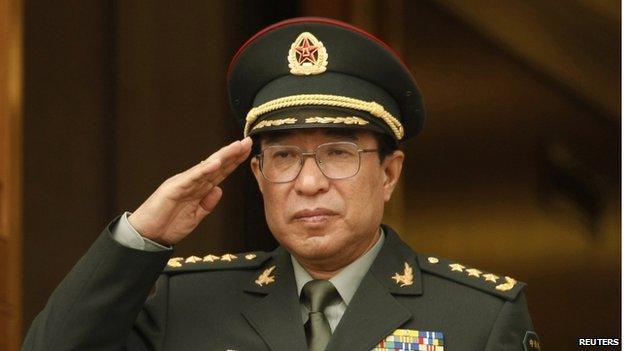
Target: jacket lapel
(374, 312)
(277, 317)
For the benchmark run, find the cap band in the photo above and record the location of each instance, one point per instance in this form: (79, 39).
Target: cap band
(373, 108)
(318, 120)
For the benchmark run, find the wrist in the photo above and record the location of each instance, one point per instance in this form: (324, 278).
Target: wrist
(143, 230)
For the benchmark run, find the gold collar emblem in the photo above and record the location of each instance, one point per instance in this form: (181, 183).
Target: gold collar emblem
(307, 55)
(266, 278)
(405, 279)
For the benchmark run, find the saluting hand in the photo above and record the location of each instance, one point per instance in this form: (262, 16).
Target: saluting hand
(182, 201)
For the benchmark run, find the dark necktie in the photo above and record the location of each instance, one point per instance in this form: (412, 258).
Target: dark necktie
(318, 294)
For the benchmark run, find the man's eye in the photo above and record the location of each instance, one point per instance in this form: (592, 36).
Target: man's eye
(282, 154)
(339, 152)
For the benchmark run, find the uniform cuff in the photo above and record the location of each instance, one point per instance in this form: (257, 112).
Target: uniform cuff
(126, 235)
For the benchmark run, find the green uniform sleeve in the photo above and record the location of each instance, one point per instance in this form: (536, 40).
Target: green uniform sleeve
(101, 303)
(513, 329)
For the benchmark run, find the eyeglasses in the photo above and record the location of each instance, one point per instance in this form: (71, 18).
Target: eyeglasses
(339, 160)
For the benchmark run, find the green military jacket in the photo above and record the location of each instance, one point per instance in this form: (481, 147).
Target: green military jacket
(118, 298)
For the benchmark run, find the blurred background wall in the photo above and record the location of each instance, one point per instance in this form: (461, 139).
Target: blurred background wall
(517, 170)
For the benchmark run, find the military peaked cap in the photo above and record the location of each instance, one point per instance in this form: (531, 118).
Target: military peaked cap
(321, 73)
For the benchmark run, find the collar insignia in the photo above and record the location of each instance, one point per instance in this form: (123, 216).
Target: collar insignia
(266, 278)
(307, 55)
(405, 279)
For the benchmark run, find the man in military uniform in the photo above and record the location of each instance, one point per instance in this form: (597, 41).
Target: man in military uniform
(326, 105)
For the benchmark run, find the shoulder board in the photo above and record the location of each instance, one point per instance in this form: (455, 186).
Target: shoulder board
(247, 260)
(501, 286)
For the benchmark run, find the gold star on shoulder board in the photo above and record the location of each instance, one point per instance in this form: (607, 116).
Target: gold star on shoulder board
(211, 258)
(490, 277)
(193, 259)
(473, 272)
(456, 267)
(228, 257)
(266, 278)
(250, 256)
(175, 262)
(405, 279)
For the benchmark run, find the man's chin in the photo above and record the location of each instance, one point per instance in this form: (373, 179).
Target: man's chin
(319, 248)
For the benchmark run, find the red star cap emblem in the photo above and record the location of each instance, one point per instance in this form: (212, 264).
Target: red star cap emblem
(306, 52)
(307, 55)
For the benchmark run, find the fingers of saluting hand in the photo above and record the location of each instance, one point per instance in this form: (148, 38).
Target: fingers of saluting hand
(221, 163)
(228, 167)
(231, 152)
(208, 202)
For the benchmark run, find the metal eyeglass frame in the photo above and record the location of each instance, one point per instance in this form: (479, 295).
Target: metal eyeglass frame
(302, 156)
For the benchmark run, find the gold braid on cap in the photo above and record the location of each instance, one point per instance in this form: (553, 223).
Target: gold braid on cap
(371, 107)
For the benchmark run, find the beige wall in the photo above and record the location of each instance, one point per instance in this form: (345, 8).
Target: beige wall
(11, 104)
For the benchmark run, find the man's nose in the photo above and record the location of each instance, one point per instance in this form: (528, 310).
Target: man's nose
(311, 180)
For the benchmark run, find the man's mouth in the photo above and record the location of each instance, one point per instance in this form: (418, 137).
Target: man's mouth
(316, 215)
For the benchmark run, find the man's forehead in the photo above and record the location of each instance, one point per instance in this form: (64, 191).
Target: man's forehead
(331, 133)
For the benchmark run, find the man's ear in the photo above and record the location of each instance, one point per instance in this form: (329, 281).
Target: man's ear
(255, 168)
(391, 167)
